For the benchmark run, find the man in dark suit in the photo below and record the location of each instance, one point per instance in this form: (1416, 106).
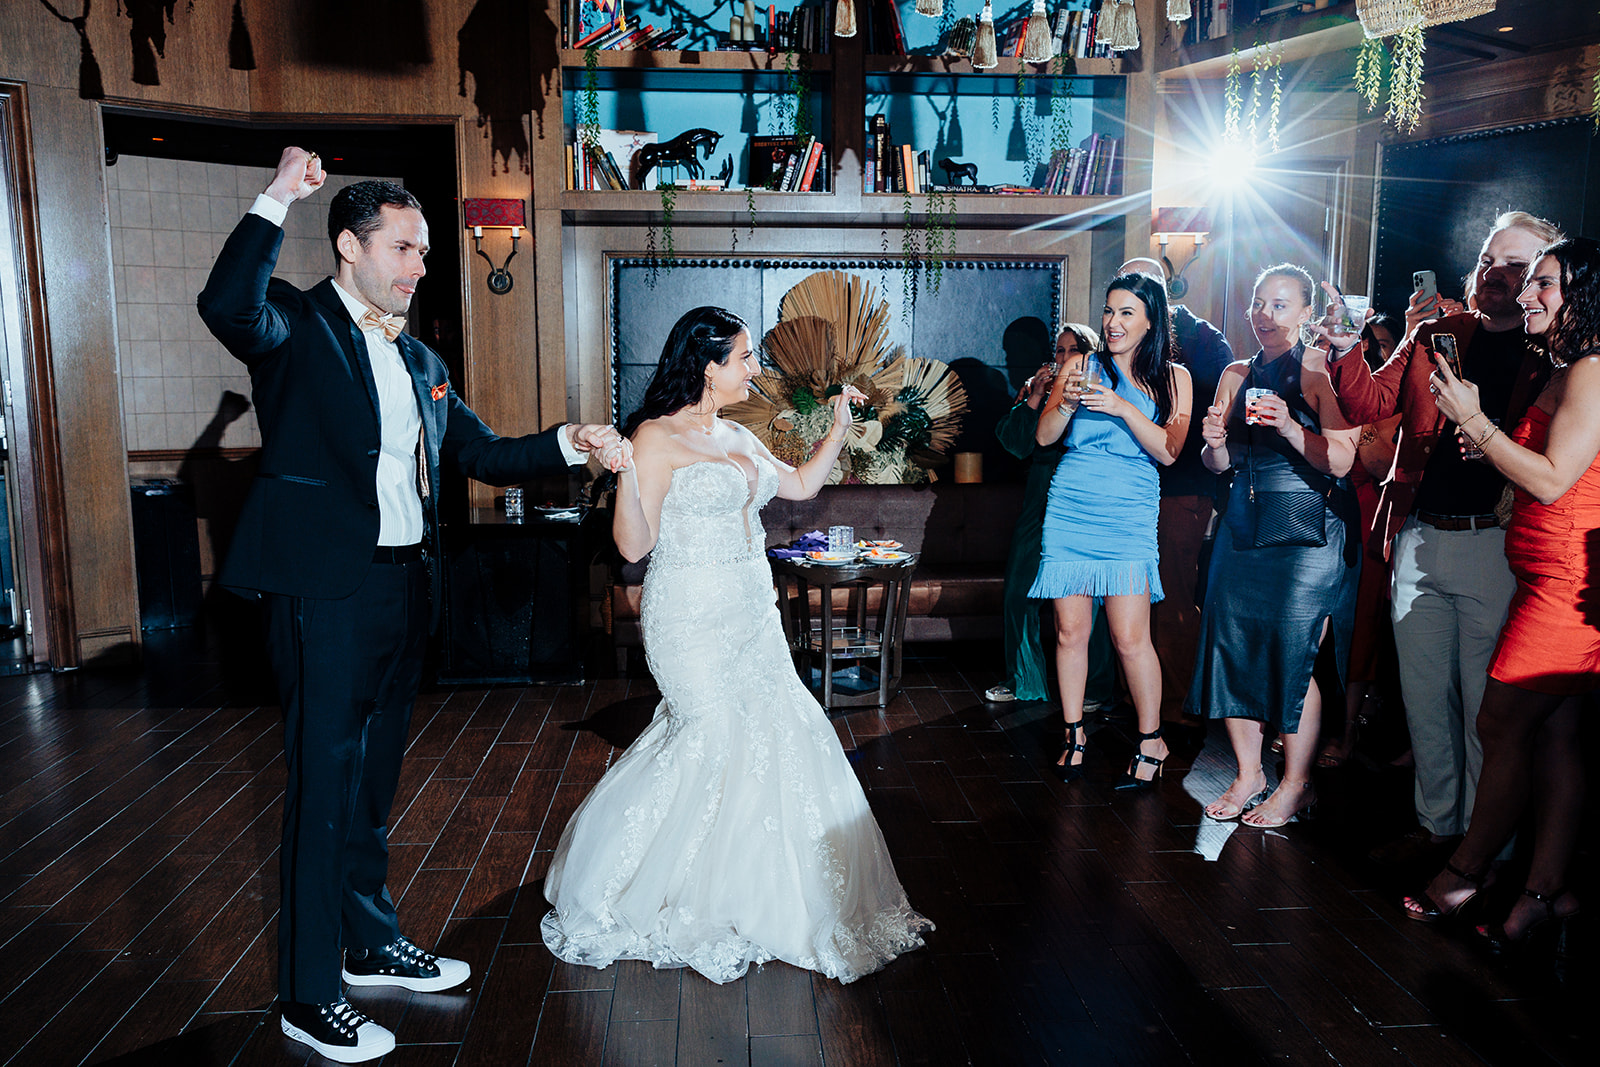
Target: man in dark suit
(356, 420)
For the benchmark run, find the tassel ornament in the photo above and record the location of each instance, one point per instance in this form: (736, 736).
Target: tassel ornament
(1036, 43)
(1179, 10)
(984, 53)
(932, 8)
(1124, 36)
(844, 19)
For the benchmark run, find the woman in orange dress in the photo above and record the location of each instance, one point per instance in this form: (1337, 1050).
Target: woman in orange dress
(1549, 650)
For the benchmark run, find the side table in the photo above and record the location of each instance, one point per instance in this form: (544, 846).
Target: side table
(869, 639)
(511, 600)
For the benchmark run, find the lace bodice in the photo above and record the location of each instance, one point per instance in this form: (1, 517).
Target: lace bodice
(711, 516)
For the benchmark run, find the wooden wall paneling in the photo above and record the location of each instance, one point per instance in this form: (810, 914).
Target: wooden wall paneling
(377, 72)
(1532, 89)
(83, 344)
(552, 359)
(39, 497)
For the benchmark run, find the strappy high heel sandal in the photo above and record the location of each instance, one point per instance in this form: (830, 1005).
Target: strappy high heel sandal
(1424, 909)
(1069, 771)
(1498, 942)
(1130, 782)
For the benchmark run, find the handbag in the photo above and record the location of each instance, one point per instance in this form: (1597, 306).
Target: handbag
(1272, 518)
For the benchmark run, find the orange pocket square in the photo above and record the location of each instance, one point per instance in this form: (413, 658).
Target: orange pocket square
(441, 389)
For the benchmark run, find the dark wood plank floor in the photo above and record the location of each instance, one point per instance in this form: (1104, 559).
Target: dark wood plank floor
(138, 871)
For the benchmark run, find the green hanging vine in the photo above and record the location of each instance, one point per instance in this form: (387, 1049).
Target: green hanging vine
(1255, 100)
(1275, 57)
(940, 239)
(1061, 104)
(1405, 80)
(589, 104)
(910, 257)
(1594, 108)
(1369, 72)
(1233, 99)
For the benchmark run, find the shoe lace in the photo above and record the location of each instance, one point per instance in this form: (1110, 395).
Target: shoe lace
(344, 1017)
(410, 953)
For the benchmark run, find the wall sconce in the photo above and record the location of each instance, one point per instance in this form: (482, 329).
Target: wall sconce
(495, 214)
(1180, 222)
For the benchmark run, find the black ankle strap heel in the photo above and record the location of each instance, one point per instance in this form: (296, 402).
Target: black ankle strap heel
(1130, 782)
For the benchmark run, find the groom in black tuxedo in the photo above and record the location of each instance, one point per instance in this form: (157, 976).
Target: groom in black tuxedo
(356, 420)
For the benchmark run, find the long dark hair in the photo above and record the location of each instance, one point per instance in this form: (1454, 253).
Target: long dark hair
(1152, 368)
(704, 335)
(1576, 330)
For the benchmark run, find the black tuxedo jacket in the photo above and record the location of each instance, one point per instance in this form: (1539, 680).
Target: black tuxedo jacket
(310, 521)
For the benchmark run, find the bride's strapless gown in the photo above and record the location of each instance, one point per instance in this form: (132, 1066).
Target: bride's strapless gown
(733, 831)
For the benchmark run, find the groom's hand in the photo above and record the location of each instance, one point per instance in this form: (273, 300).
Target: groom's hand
(299, 174)
(592, 437)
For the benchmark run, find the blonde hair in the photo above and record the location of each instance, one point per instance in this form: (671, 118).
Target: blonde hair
(1546, 231)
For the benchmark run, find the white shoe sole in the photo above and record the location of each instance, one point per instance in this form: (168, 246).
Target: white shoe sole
(451, 974)
(371, 1046)
(999, 695)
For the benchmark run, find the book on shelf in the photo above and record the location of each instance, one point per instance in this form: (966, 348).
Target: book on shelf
(809, 167)
(613, 169)
(769, 155)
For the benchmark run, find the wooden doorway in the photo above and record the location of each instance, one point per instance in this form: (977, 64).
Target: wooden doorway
(37, 592)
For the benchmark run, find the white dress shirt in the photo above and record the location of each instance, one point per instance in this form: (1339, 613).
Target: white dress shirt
(400, 424)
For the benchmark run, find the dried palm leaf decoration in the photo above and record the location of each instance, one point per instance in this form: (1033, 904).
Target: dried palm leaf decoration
(832, 331)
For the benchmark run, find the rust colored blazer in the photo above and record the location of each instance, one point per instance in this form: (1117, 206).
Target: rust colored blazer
(1401, 385)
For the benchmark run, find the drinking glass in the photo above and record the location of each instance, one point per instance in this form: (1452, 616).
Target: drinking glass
(1251, 396)
(841, 538)
(513, 505)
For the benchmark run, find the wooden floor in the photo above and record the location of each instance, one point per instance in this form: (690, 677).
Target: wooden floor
(139, 823)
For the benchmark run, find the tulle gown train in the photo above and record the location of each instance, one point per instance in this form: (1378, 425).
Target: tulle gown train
(733, 831)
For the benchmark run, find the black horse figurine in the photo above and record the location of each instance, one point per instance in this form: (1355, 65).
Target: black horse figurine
(680, 151)
(954, 172)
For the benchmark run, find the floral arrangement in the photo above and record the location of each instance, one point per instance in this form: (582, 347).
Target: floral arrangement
(832, 331)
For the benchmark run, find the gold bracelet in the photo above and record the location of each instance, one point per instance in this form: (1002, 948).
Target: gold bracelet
(1477, 414)
(1493, 429)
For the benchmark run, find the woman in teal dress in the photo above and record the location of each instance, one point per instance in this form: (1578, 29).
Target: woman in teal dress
(1026, 670)
(1124, 409)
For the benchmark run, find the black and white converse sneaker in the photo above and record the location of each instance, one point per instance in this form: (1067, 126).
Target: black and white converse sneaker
(403, 964)
(337, 1031)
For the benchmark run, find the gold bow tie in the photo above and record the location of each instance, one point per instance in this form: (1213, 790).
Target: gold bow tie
(391, 325)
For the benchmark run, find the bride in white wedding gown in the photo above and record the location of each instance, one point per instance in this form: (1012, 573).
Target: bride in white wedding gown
(733, 831)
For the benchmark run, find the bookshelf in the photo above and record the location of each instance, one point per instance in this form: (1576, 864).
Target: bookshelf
(578, 232)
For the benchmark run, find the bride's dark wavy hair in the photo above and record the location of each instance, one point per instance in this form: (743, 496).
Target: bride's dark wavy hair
(704, 335)
(1576, 330)
(1152, 364)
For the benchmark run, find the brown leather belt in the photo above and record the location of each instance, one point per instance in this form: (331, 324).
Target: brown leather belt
(1458, 522)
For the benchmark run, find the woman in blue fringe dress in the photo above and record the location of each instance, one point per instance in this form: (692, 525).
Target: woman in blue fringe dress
(1100, 518)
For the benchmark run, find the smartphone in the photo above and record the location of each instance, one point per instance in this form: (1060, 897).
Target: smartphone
(1445, 345)
(1426, 283)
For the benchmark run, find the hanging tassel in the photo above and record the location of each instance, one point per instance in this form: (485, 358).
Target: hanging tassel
(931, 8)
(1036, 43)
(1178, 10)
(1124, 28)
(984, 53)
(844, 19)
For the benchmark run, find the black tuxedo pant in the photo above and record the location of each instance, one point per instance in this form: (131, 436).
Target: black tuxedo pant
(347, 673)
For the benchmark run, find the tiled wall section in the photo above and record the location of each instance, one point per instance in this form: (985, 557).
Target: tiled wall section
(168, 221)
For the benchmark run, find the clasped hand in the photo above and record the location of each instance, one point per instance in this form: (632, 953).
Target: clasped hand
(1096, 396)
(299, 174)
(1214, 428)
(604, 443)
